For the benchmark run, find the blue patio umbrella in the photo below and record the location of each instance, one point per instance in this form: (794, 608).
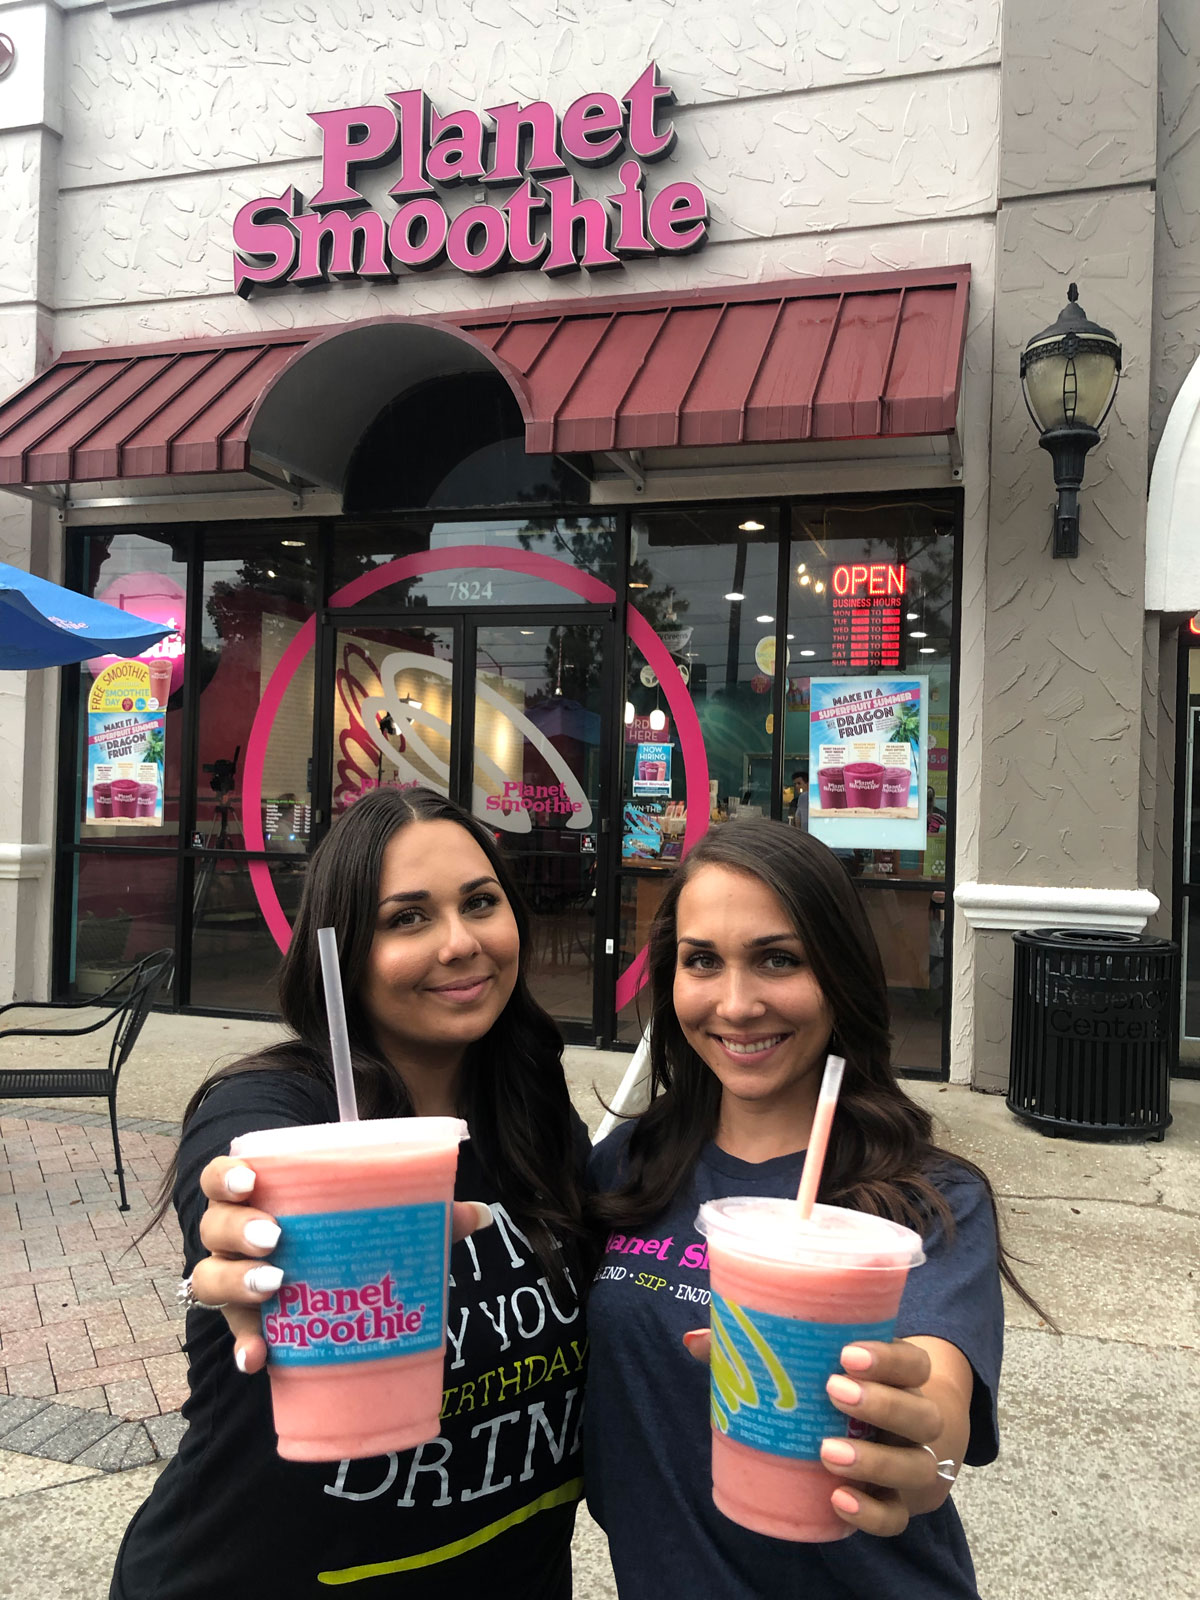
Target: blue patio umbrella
(44, 625)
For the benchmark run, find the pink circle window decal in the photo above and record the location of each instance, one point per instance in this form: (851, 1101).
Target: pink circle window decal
(474, 557)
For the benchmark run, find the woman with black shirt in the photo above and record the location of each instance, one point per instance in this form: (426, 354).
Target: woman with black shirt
(432, 942)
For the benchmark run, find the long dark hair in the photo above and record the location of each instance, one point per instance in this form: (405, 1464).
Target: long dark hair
(514, 1093)
(881, 1152)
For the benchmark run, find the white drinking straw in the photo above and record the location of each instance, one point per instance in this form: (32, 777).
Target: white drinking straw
(339, 1034)
(818, 1139)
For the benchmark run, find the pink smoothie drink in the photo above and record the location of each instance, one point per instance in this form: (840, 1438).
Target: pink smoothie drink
(831, 786)
(124, 792)
(787, 1296)
(896, 784)
(864, 784)
(357, 1333)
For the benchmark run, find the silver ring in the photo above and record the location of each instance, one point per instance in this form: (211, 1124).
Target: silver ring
(946, 1470)
(187, 1299)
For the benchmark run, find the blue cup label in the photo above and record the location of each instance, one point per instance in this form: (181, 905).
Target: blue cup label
(359, 1285)
(769, 1375)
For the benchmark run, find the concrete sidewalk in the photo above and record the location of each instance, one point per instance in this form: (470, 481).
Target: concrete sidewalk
(1085, 1501)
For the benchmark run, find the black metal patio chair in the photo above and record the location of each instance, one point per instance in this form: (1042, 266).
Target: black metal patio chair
(125, 1004)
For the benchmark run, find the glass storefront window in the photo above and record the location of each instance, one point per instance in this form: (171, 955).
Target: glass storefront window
(1189, 1022)
(235, 961)
(393, 691)
(536, 781)
(122, 908)
(259, 590)
(706, 582)
(145, 574)
(586, 543)
(867, 727)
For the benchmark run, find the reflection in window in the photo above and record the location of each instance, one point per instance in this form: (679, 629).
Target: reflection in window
(584, 543)
(235, 961)
(705, 581)
(259, 590)
(124, 910)
(145, 574)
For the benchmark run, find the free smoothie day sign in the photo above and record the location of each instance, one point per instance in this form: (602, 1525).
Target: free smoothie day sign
(868, 759)
(541, 222)
(126, 748)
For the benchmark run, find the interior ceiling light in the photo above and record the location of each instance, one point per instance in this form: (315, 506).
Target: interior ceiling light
(658, 719)
(915, 633)
(928, 650)
(628, 712)
(750, 526)
(808, 652)
(818, 587)
(791, 636)
(805, 581)
(270, 574)
(764, 618)
(910, 616)
(801, 568)
(734, 594)
(293, 544)
(633, 585)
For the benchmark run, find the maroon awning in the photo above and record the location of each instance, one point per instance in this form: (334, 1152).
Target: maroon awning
(846, 357)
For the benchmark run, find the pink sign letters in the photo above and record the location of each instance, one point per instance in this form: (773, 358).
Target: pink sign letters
(542, 223)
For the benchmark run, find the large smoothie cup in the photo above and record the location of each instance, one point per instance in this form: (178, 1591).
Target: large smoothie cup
(124, 793)
(787, 1296)
(357, 1333)
(160, 680)
(896, 785)
(864, 784)
(831, 786)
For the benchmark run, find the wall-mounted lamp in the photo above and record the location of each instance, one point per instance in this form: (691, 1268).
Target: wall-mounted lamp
(1069, 376)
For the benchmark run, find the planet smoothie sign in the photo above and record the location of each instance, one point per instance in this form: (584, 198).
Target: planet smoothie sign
(543, 222)
(868, 754)
(125, 748)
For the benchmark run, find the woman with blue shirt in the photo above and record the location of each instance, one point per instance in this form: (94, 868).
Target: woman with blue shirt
(761, 961)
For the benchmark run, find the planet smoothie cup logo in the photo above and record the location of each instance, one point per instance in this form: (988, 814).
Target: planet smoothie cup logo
(524, 149)
(309, 1318)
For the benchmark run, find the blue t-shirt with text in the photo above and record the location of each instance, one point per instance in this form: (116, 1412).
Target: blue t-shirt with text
(647, 1447)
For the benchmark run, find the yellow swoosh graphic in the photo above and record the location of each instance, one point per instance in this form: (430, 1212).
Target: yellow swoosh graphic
(565, 1495)
(785, 1393)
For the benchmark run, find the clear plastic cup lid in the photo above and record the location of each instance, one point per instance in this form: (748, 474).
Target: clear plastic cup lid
(413, 1133)
(771, 1230)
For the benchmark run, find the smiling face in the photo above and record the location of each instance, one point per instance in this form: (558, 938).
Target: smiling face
(443, 963)
(746, 998)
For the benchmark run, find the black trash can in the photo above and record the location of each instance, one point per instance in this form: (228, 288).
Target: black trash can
(1093, 1032)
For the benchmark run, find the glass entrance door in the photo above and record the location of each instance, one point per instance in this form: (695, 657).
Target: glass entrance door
(508, 717)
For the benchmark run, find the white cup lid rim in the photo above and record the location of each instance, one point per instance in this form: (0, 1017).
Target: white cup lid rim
(412, 1132)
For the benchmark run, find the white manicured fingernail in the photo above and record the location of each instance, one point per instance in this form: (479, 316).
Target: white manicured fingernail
(239, 1359)
(261, 1233)
(239, 1180)
(264, 1279)
(483, 1215)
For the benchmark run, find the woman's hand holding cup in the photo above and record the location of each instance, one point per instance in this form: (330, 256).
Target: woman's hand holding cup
(236, 1274)
(890, 1475)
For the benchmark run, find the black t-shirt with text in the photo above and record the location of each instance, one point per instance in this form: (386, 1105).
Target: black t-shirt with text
(647, 1442)
(487, 1507)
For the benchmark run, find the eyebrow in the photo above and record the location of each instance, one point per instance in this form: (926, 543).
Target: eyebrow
(412, 896)
(751, 944)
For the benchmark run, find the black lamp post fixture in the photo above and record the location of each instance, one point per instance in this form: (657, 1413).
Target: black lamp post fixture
(1069, 376)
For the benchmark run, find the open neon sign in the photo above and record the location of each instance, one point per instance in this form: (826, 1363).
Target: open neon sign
(878, 578)
(543, 222)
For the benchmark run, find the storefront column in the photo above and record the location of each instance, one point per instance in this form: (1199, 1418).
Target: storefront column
(30, 534)
(1063, 662)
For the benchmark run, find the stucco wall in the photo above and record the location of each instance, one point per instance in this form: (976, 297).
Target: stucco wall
(827, 137)
(1176, 345)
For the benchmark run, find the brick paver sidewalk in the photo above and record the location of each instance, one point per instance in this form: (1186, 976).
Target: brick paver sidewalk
(91, 1367)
